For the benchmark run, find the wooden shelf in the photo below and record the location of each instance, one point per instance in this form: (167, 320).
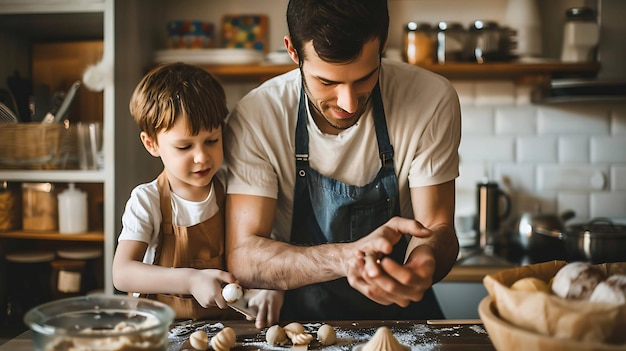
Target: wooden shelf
(76, 176)
(520, 71)
(516, 70)
(94, 236)
(248, 73)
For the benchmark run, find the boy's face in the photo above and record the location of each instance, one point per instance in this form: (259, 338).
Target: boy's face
(190, 161)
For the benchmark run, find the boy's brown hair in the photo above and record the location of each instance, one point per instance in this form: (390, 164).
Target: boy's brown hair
(177, 90)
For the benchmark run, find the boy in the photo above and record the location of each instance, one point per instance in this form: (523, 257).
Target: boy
(172, 243)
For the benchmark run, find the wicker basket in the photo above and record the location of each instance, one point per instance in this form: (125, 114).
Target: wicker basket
(37, 146)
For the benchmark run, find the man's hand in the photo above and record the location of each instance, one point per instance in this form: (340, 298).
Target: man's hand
(267, 304)
(382, 279)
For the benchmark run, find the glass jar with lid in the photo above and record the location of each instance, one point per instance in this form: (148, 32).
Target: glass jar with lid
(40, 207)
(451, 42)
(28, 273)
(488, 41)
(10, 206)
(581, 34)
(418, 43)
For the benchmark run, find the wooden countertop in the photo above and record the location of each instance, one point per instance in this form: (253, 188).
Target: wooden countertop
(473, 266)
(349, 334)
(471, 274)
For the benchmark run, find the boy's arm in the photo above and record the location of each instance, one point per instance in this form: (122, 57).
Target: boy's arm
(130, 274)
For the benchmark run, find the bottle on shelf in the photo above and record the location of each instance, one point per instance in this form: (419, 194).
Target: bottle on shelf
(72, 204)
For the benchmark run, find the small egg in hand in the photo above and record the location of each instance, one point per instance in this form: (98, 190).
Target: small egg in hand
(232, 292)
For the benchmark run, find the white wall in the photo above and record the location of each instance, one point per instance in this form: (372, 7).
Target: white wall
(569, 156)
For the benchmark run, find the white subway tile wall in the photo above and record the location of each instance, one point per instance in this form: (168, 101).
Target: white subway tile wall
(554, 157)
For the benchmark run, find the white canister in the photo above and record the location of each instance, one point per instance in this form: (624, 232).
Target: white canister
(72, 210)
(523, 17)
(581, 35)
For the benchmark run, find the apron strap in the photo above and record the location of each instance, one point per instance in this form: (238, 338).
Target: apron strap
(385, 148)
(302, 135)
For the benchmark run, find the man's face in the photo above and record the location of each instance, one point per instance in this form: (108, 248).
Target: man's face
(339, 92)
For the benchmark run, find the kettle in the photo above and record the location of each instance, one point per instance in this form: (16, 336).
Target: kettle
(492, 205)
(531, 236)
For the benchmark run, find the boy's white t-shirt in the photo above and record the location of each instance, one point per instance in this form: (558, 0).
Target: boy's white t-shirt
(142, 216)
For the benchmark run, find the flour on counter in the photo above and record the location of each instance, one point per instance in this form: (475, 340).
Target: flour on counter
(420, 337)
(478, 329)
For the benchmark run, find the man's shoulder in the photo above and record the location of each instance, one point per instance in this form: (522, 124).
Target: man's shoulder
(275, 96)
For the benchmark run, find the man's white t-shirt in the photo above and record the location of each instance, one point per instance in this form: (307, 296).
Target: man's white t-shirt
(423, 119)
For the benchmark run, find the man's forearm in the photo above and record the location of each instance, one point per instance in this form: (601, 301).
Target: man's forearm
(269, 264)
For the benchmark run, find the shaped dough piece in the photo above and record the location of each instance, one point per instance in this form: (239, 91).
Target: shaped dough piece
(275, 335)
(232, 292)
(199, 340)
(224, 340)
(577, 280)
(384, 339)
(612, 290)
(326, 335)
(301, 339)
(293, 328)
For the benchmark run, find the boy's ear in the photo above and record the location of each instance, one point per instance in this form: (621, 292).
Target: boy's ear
(150, 144)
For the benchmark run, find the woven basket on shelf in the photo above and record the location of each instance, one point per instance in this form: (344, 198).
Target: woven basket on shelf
(37, 146)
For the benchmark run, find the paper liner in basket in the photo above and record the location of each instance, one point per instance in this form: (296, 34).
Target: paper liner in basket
(551, 315)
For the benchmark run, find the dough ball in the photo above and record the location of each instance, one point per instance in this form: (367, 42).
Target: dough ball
(577, 280)
(232, 292)
(612, 290)
(293, 328)
(275, 335)
(531, 284)
(326, 334)
(199, 340)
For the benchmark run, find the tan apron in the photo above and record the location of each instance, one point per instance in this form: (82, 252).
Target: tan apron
(199, 246)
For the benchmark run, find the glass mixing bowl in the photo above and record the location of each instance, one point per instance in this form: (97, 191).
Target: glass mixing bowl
(99, 323)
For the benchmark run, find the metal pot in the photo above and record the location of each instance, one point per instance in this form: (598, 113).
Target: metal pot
(532, 237)
(599, 241)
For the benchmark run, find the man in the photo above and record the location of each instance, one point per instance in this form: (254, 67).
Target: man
(331, 163)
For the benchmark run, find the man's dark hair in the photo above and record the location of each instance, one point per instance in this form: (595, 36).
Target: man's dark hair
(338, 28)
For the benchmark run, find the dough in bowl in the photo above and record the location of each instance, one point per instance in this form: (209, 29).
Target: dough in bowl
(612, 290)
(577, 280)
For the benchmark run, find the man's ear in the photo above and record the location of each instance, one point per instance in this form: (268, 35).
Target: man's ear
(150, 144)
(291, 50)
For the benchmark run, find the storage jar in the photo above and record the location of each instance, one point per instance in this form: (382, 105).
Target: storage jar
(10, 207)
(40, 210)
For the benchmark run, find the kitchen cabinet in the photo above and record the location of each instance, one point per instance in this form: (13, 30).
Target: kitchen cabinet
(42, 37)
(124, 30)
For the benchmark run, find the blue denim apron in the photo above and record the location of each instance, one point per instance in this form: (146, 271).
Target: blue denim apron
(329, 211)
